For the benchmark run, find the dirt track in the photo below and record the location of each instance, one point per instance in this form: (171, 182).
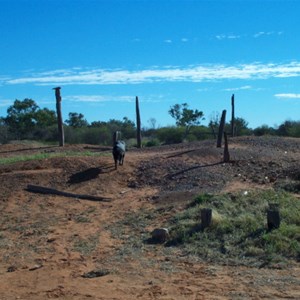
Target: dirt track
(47, 242)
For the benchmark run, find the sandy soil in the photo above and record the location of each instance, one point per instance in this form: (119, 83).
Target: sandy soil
(50, 245)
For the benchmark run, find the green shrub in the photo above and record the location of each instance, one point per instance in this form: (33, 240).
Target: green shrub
(201, 199)
(171, 135)
(152, 143)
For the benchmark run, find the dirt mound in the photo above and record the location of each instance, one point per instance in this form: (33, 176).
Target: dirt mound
(50, 244)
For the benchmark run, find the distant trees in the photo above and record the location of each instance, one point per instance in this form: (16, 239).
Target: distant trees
(264, 130)
(126, 126)
(97, 132)
(45, 117)
(214, 122)
(21, 116)
(186, 117)
(240, 127)
(76, 120)
(294, 130)
(26, 120)
(289, 128)
(25, 117)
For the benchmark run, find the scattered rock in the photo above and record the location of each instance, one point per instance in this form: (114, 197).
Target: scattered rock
(11, 269)
(95, 273)
(35, 267)
(160, 235)
(132, 184)
(51, 239)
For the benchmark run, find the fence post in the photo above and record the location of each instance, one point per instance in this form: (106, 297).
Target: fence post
(116, 137)
(232, 117)
(226, 158)
(138, 123)
(221, 129)
(206, 216)
(273, 217)
(59, 117)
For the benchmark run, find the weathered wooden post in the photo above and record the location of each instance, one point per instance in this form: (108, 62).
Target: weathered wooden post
(59, 117)
(138, 123)
(232, 117)
(221, 129)
(273, 217)
(226, 157)
(206, 216)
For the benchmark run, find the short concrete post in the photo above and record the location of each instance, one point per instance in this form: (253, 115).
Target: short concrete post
(273, 217)
(206, 216)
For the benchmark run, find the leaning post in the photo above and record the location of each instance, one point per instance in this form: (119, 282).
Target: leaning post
(232, 117)
(221, 129)
(138, 123)
(59, 117)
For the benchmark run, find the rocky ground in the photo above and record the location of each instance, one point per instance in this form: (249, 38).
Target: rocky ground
(53, 246)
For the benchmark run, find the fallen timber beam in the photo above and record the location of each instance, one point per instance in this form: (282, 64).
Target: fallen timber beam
(45, 190)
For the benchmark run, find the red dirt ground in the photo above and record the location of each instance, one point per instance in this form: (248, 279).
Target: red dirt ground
(49, 242)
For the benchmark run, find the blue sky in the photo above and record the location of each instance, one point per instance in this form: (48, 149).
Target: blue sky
(104, 53)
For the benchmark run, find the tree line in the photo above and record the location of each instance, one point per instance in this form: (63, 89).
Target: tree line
(26, 120)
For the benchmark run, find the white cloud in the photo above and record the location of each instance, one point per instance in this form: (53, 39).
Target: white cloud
(288, 96)
(184, 40)
(164, 74)
(98, 98)
(267, 33)
(221, 36)
(256, 35)
(168, 41)
(233, 37)
(5, 102)
(3, 80)
(245, 87)
(111, 98)
(227, 36)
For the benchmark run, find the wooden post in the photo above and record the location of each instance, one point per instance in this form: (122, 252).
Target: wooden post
(116, 137)
(138, 123)
(221, 129)
(226, 158)
(273, 217)
(232, 116)
(206, 215)
(59, 117)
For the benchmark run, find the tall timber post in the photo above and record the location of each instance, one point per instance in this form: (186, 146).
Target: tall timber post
(59, 117)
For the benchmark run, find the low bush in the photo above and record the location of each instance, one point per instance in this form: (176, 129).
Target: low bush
(171, 135)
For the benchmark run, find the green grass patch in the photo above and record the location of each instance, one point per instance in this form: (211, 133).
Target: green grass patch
(41, 156)
(86, 246)
(238, 233)
(85, 216)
